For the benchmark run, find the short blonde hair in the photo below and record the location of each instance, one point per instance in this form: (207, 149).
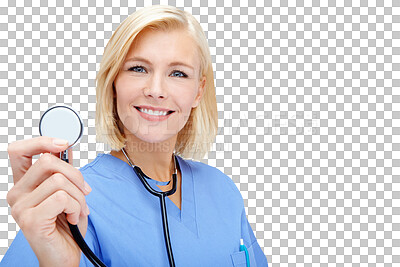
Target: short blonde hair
(198, 134)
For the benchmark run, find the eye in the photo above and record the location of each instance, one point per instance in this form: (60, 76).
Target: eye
(179, 74)
(137, 69)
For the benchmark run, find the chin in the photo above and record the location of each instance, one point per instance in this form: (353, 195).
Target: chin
(154, 138)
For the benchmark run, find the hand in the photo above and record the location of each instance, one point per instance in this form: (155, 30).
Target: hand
(41, 194)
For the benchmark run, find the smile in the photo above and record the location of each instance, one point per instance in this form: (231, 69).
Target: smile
(154, 115)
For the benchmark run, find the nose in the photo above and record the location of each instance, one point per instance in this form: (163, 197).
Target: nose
(156, 86)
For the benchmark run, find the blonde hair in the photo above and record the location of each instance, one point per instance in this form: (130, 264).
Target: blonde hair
(198, 134)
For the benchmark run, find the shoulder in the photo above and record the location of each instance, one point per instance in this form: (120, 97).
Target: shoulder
(101, 172)
(213, 178)
(89, 166)
(104, 166)
(211, 174)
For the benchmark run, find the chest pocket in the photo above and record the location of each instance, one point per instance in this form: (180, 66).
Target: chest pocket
(239, 259)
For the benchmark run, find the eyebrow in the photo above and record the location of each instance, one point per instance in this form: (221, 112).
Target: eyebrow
(175, 63)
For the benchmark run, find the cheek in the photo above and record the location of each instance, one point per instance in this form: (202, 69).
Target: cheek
(121, 87)
(126, 90)
(127, 116)
(184, 104)
(185, 96)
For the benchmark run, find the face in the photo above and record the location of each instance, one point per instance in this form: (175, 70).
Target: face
(161, 70)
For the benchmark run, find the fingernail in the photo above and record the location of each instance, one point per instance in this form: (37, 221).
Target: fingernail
(87, 187)
(87, 210)
(59, 142)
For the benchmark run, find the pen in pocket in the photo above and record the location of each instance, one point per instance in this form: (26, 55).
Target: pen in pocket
(243, 248)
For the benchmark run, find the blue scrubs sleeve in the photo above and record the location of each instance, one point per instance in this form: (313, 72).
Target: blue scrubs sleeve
(93, 244)
(256, 255)
(19, 253)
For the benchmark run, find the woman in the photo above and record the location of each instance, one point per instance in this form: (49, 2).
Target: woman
(155, 101)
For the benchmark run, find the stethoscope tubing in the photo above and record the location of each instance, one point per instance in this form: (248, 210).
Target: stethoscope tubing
(166, 232)
(76, 234)
(84, 247)
(74, 228)
(161, 195)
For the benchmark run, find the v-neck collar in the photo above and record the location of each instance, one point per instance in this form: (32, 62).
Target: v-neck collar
(187, 214)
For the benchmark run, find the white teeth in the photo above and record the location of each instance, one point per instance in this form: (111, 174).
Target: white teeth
(151, 112)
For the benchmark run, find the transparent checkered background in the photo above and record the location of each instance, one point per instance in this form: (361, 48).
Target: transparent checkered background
(309, 112)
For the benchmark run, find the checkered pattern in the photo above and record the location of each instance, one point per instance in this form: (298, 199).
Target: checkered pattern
(309, 111)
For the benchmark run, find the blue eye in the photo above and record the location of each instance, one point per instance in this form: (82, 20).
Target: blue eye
(175, 73)
(137, 69)
(180, 74)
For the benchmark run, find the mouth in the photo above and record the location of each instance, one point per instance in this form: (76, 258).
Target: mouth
(154, 113)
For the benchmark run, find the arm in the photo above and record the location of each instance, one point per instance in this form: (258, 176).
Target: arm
(21, 254)
(256, 255)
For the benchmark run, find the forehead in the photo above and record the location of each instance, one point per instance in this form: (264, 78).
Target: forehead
(160, 45)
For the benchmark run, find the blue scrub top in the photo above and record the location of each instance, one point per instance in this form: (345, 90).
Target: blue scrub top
(125, 222)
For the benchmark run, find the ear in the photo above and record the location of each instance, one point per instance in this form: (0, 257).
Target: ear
(200, 93)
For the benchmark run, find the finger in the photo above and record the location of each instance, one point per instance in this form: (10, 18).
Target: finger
(21, 152)
(51, 185)
(58, 154)
(57, 203)
(46, 166)
(70, 156)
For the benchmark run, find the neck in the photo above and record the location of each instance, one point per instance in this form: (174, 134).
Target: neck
(154, 159)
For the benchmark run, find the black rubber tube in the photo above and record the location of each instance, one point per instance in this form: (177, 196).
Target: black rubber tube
(84, 247)
(89, 253)
(78, 236)
(166, 231)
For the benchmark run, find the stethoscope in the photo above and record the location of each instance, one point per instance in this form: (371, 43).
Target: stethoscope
(162, 196)
(62, 121)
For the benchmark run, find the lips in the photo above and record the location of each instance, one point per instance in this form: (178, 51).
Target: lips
(140, 107)
(153, 108)
(154, 118)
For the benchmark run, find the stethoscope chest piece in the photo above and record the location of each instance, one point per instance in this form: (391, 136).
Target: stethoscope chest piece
(63, 122)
